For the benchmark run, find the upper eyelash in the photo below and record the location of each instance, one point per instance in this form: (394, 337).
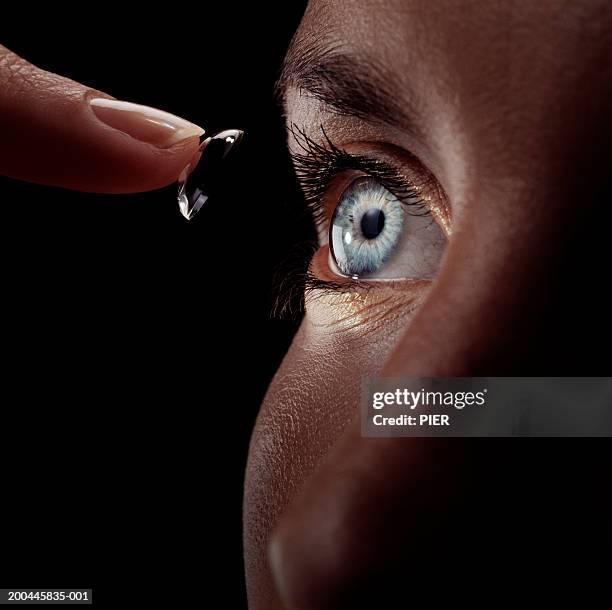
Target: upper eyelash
(317, 165)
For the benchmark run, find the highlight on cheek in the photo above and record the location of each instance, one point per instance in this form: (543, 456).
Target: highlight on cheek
(349, 305)
(333, 315)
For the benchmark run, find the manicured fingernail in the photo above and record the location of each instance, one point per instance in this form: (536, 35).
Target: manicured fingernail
(143, 123)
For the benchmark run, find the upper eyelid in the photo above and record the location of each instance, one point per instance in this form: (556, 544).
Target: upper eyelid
(302, 280)
(316, 165)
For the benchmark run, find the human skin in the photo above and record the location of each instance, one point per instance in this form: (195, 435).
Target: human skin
(510, 109)
(58, 132)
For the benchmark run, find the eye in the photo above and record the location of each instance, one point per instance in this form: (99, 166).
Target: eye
(375, 235)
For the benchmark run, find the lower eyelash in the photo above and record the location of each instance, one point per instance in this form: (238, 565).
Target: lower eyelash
(294, 281)
(315, 168)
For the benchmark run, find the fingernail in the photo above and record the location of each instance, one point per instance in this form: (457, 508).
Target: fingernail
(143, 123)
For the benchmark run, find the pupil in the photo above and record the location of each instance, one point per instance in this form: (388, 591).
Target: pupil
(372, 223)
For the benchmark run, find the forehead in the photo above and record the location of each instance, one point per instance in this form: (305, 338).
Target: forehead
(478, 77)
(454, 26)
(483, 44)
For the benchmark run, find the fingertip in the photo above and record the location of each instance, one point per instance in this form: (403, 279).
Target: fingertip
(58, 132)
(160, 144)
(149, 169)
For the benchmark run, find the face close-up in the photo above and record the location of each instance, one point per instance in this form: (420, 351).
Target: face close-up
(482, 130)
(306, 306)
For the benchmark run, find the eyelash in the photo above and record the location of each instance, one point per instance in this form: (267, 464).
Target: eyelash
(316, 166)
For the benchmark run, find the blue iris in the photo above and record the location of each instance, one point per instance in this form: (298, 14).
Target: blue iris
(365, 228)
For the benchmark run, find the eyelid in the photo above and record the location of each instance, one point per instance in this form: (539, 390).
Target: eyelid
(421, 182)
(323, 181)
(324, 169)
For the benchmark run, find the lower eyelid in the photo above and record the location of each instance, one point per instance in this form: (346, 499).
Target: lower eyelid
(340, 304)
(319, 268)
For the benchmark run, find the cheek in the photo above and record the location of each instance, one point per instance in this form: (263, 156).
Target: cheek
(314, 395)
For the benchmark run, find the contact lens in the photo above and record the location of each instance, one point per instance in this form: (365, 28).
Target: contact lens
(202, 177)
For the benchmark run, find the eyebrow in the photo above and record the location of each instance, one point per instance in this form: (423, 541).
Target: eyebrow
(351, 85)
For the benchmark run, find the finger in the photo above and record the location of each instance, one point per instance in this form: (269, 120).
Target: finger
(58, 132)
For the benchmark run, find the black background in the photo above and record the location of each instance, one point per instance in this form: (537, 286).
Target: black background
(136, 346)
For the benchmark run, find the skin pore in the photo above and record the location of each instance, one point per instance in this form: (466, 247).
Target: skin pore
(500, 114)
